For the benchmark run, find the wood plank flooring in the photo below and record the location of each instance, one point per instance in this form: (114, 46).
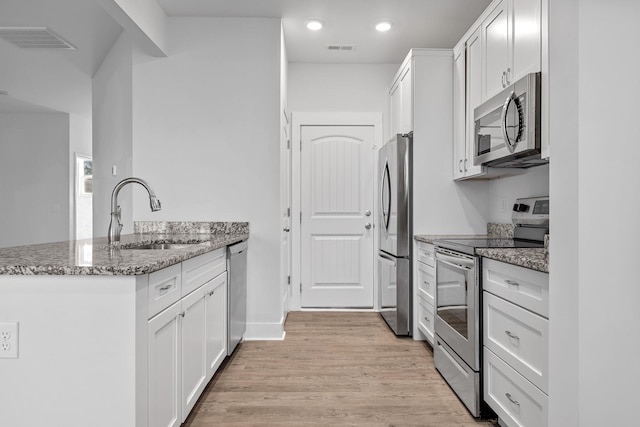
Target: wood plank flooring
(333, 369)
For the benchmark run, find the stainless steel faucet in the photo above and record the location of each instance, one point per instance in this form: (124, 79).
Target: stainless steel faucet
(115, 225)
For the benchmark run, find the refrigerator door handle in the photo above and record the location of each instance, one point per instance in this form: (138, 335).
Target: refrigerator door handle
(386, 210)
(387, 258)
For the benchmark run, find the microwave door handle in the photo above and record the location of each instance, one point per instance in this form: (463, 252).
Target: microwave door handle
(505, 108)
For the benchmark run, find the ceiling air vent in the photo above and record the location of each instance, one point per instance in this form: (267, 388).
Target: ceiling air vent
(337, 47)
(34, 38)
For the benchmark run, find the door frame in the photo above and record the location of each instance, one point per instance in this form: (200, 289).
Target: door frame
(326, 119)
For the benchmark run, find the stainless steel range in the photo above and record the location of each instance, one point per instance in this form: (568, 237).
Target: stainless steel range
(458, 326)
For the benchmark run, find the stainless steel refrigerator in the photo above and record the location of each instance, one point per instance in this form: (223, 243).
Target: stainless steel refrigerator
(395, 232)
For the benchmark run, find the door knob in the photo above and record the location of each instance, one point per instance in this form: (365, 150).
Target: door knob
(367, 226)
(286, 229)
(367, 212)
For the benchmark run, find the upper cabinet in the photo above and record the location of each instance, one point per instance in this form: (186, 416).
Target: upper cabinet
(401, 119)
(511, 35)
(502, 46)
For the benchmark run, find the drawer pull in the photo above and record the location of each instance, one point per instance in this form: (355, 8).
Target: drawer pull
(165, 288)
(512, 283)
(212, 292)
(515, 402)
(510, 335)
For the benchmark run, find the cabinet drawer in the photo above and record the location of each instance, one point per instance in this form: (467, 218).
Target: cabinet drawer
(199, 270)
(426, 254)
(164, 289)
(519, 337)
(426, 282)
(425, 319)
(522, 286)
(516, 401)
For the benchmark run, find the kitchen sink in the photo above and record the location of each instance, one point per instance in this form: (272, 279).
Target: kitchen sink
(166, 246)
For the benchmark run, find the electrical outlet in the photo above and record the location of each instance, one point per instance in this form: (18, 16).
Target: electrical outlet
(8, 340)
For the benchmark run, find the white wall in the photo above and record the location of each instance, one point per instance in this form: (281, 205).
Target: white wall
(534, 182)
(594, 184)
(112, 134)
(206, 132)
(341, 87)
(34, 186)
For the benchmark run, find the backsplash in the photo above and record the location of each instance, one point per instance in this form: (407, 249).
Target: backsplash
(501, 231)
(190, 227)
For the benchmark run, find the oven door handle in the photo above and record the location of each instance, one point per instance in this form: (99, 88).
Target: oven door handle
(464, 263)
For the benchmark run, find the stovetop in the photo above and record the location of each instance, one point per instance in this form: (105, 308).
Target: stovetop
(469, 246)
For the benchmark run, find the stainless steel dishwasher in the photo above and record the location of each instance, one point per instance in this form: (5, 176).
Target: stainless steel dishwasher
(237, 308)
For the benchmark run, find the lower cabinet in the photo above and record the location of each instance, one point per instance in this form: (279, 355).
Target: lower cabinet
(424, 294)
(516, 343)
(187, 343)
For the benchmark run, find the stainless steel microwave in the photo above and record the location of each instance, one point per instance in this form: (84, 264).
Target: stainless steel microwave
(507, 126)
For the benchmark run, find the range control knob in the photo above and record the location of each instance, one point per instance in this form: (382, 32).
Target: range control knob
(523, 208)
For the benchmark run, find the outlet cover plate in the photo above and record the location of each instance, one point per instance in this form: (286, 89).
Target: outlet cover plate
(8, 340)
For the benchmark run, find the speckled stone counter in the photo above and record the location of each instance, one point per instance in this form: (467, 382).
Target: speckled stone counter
(533, 258)
(431, 238)
(94, 257)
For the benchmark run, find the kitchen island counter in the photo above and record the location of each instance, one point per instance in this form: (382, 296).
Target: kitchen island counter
(94, 257)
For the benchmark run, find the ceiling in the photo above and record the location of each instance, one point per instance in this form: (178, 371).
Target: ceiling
(416, 23)
(50, 77)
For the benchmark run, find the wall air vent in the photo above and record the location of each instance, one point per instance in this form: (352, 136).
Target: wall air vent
(337, 47)
(34, 38)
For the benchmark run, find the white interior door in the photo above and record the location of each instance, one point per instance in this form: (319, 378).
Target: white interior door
(337, 198)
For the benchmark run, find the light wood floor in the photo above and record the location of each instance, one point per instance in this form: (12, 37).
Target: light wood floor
(333, 369)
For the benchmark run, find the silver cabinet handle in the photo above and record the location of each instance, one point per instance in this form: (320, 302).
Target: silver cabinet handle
(511, 282)
(367, 226)
(503, 80)
(367, 213)
(515, 402)
(460, 166)
(510, 335)
(506, 76)
(286, 229)
(165, 288)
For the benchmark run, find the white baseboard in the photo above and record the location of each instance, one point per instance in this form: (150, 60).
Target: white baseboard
(265, 331)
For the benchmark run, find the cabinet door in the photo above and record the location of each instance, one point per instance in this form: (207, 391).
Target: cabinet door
(396, 105)
(459, 116)
(164, 368)
(216, 323)
(495, 36)
(194, 365)
(474, 99)
(526, 36)
(406, 87)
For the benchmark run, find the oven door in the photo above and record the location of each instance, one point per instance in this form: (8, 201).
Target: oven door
(457, 311)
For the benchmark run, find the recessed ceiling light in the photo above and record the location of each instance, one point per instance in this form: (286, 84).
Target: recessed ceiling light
(383, 26)
(314, 25)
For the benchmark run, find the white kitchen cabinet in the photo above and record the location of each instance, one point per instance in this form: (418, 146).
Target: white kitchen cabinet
(216, 323)
(164, 364)
(193, 347)
(516, 343)
(188, 340)
(401, 93)
(511, 40)
(424, 294)
(467, 96)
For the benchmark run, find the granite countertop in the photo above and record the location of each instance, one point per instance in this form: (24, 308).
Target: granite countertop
(533, 258)
(431, 238)
(94, 257)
